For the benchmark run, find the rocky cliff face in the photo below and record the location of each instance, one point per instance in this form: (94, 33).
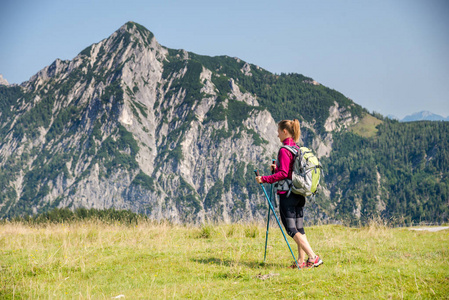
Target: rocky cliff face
(3, 81)
(133, 125)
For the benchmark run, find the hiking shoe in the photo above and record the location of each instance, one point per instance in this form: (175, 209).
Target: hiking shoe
(315, 262)
(298, 266)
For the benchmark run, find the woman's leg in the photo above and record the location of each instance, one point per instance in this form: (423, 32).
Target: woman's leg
(301, 238)
(301, 254)
(300, 228)
(303, 243)
(289, 215)
(292, 216)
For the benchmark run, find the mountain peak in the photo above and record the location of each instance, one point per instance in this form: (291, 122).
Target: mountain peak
(137, 30)
(121, 46)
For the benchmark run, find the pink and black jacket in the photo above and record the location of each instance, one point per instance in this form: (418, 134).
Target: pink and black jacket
(284, 168)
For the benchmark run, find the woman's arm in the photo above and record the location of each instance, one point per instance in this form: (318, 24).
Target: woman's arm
(284, 158)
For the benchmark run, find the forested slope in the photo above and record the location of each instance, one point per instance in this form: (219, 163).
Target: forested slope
(400, 174)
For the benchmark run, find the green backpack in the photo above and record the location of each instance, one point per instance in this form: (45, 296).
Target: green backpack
(306, 172)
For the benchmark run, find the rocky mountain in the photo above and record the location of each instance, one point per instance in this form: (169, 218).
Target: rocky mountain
(131, 124)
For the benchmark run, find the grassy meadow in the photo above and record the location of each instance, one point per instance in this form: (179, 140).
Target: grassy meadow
(96, 260)
(366, 127)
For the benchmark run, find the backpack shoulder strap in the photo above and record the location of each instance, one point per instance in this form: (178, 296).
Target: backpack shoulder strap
(292, 149)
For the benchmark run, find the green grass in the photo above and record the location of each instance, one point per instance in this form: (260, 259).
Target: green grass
(94, 260)
(367, 126)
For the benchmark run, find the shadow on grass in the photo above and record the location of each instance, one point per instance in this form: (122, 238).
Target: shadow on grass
(232, 263)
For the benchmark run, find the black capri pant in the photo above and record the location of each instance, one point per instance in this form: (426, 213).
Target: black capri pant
(292, 213)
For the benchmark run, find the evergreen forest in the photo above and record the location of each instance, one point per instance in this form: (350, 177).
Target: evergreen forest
(401, 174)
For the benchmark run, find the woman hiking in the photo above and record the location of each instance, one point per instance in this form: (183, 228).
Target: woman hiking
(291, 207)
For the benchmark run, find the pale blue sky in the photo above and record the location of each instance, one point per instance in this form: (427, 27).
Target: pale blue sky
(388, 56)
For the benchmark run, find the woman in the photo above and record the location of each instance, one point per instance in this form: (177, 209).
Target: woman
(291, 207)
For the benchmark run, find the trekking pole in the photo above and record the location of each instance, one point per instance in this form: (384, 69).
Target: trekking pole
(272, 192)
(268, 219)
(277, 220)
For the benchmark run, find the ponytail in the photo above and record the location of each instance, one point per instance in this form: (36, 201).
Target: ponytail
(292, 126)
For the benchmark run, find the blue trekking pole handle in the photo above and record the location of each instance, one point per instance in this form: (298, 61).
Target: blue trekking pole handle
(277, 220)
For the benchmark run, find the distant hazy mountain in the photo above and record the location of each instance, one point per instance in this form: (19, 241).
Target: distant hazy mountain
(424, 116)
(392, 117)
